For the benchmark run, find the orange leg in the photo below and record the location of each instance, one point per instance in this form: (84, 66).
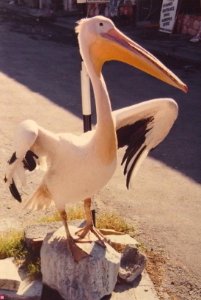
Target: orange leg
(89, 225)
(76, 252)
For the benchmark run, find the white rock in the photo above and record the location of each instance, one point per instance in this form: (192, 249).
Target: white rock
(92, 278)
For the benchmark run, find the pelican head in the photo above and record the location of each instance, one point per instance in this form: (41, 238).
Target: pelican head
(101, 41)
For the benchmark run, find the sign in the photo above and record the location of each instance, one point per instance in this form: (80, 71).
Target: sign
(168, 15)
(93, 1)
(97, 1)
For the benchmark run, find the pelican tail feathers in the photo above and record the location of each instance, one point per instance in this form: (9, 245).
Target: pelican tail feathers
(41, 199)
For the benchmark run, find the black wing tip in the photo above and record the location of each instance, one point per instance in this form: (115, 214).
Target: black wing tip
(127, 132)
(12, 159)
(134, 137)
(14, 191)
(29, 160)
(129, 173)
(127, 185)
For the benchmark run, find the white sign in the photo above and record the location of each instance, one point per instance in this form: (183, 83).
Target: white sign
(92, 1)
(81, 1)
(97, 1)
(168, 15)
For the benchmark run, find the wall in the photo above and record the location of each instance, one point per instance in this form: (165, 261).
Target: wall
(188, 24)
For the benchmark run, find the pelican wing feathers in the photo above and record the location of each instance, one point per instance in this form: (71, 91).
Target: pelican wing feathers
(140, 128)
(23, 158)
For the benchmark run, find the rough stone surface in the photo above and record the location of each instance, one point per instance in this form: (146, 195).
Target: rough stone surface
(35, 234)
(119, 241)
(132, 264)
(92, 278)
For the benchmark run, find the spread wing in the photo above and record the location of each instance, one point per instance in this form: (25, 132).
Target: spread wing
(140, 128)
(22, 158)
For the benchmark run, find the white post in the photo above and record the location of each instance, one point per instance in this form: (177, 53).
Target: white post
(40, 4)
(86, 98)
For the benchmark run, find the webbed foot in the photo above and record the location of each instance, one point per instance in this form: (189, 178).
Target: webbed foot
(90, 228)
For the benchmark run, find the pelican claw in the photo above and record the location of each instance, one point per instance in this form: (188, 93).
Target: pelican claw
(85, 230)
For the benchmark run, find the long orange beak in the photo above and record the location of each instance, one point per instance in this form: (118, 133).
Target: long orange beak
(114, 45)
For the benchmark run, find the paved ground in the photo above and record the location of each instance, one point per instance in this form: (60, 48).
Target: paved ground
(39, 79)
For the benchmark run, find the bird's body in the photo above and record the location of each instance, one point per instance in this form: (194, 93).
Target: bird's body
(79, 166)
(61, 179)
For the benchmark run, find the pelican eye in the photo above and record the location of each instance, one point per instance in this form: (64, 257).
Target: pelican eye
(100, 24)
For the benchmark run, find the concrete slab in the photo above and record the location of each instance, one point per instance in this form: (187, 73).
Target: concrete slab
(13, 286)
(9, 276)
(141, 289)
(27, 291)
(145, 289)
(30, 290)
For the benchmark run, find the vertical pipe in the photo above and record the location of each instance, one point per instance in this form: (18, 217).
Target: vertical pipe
(86, 99)
(93, 213)
(40, 4)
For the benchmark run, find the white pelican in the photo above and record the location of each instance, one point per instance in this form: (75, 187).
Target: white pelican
(79, 166)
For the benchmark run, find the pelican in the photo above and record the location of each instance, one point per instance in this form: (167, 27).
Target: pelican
(79, 166)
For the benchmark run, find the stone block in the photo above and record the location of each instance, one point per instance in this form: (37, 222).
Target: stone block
(118, 240)
(91, 278)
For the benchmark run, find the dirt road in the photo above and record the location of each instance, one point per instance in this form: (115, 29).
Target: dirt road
(39, 79)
